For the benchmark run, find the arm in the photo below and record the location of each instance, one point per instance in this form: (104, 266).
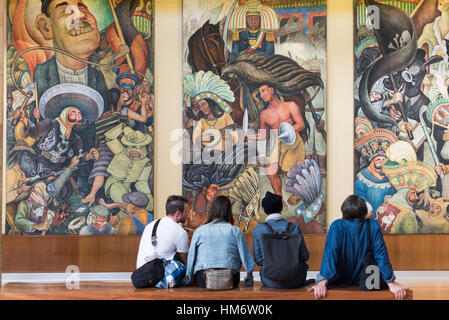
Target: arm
(191, 260)
(182, 247)
(245, 253)
(21, 220)
(257, 246)
(330, 255)
(383, 262)
(263, 129)
(381, 253)
(296, 116)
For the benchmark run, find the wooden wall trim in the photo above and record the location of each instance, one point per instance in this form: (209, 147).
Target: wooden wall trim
(116, 253)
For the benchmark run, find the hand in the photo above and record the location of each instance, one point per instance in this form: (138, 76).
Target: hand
(144, 99)
(23, 188)
(395, 114)
(189, 124)
(114, 220)
(306, 96)
(320, 126)
(93, 154)
(206, 138)
(89, 199)
(398, 291)
(74, 162)
(36, 113)
(44, 226)
(123, 51)
(441, 169)
(319, 289)
(446, 136)
(408, 126)
(249, 281)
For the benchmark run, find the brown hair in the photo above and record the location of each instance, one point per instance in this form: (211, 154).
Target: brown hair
(221, 210)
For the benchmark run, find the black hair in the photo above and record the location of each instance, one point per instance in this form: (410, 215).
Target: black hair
(174, 204)
(354, 207)
(214, 108)
(221, 210)
(44, 7)
(112, 98)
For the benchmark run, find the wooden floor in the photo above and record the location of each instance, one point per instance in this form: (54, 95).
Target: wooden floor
(418, 290)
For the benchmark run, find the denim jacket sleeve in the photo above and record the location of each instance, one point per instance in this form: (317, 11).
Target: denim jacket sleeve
(330, 255)
(257, 246)
(244, 251)
(380, 252)
(191, 260)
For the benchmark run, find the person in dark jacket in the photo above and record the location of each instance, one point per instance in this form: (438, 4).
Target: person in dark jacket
(272, 205)
(347, 245)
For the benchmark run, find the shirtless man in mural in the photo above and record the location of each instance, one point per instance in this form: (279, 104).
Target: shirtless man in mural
(283, 156)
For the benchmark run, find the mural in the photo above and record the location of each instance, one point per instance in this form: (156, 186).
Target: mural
(79, 117)
(255, 109)
(401, 113)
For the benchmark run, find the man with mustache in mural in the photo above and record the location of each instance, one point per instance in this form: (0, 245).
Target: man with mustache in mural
(371, 183)
(72, 28)
(412, 180)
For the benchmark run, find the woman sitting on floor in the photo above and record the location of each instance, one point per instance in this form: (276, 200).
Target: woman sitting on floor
(346, 247)
(218, 250)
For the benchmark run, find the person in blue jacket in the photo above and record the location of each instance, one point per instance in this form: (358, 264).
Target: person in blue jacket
(346, 246)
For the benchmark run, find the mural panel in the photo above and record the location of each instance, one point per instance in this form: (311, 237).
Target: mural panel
(255, 109)
(401, 113)
(79, 117)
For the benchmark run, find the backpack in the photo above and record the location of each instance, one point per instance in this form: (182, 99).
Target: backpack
(282, 260)
(152, 272)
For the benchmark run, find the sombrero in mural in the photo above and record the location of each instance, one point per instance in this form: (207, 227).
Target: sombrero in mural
(207, 85)
(438, 112)
(374, 143)
(404, 171)
(268, 17)
(57, 98)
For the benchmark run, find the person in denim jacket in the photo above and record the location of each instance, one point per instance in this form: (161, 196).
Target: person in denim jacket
(346, 246)
(218, 244)
(272, 205)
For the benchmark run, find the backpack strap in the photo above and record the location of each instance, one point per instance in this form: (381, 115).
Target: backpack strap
(153, 234)
(269, 227)
(289, 224)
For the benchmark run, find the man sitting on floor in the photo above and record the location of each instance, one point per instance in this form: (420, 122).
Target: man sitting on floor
(272, 205)
(171, 237)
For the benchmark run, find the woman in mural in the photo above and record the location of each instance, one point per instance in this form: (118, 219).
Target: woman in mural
(210, 94)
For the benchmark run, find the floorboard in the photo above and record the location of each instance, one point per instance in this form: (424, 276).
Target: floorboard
(125, 291)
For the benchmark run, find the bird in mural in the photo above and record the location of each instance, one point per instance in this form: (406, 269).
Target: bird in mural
(245, 193)
(304, 181)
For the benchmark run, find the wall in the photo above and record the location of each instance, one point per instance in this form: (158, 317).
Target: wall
(118, 253)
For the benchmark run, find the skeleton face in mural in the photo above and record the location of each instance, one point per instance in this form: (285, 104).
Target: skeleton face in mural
(71, 26)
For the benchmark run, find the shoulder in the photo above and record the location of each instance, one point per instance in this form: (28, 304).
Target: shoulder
(269, 36)
(236, 35)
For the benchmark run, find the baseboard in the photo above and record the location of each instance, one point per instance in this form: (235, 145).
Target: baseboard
(126, 276)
